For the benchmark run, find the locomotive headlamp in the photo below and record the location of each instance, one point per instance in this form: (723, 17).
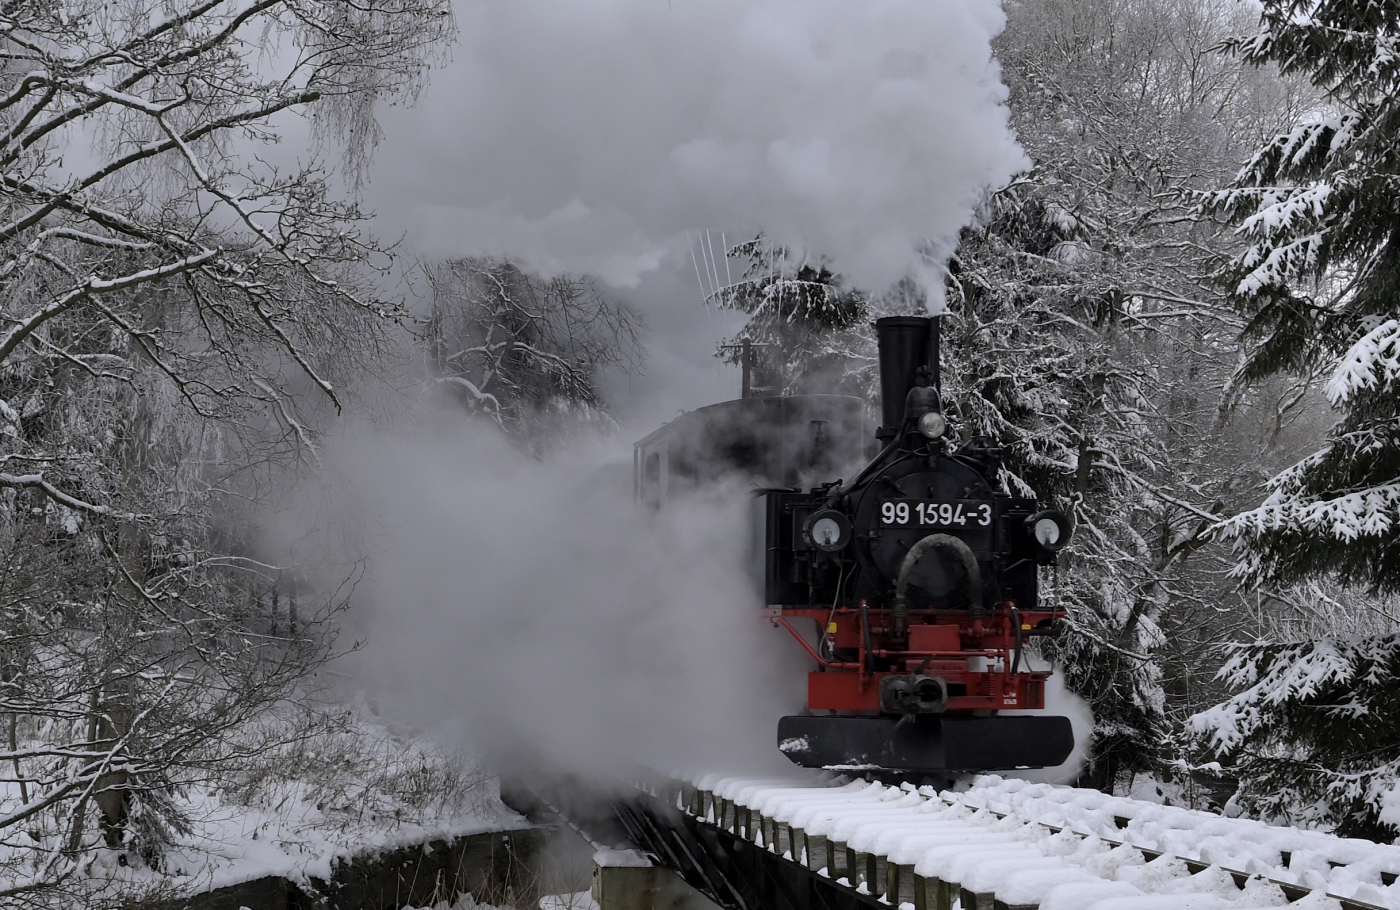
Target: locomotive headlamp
(1051, 529)
(827, 530)
(933, 424)
(923, 406)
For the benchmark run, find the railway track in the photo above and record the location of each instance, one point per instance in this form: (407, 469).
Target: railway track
(1003, 845)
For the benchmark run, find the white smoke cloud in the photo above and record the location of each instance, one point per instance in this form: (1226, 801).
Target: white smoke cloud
(590, 136)
(534, 609)
(1061, 701)
(503, 596)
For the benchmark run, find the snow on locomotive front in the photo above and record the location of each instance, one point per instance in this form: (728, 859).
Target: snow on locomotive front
(921, 578)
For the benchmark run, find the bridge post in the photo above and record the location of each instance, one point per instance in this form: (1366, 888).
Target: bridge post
(626, 880)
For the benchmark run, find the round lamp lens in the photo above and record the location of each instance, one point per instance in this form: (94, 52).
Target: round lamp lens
(1047, 532)
(933, 425)
(826, 532)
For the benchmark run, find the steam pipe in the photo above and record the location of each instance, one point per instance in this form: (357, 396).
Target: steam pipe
(1016, 624)
(839, 665)
(867, 658)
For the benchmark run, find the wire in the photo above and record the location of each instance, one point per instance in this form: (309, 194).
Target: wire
(827, 643)
(704, 296)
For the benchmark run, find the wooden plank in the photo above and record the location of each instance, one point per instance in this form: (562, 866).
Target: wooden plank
(816, 852)
(840, 859)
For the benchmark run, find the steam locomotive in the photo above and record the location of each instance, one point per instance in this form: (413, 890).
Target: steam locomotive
(920, 577)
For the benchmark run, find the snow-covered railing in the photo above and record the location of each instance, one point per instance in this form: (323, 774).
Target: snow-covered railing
(1313, 860)
(1012, 845)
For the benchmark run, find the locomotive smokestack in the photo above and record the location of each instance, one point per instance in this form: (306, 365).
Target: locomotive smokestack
(906, 343)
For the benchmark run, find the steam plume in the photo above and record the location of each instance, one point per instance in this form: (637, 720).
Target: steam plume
(535, 609)
(590, 136)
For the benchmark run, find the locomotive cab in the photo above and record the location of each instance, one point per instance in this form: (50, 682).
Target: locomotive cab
(772, 442)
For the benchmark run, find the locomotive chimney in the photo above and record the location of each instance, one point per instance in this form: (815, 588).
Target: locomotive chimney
(906, 343)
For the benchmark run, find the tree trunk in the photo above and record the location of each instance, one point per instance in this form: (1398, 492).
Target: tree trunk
(75, 832)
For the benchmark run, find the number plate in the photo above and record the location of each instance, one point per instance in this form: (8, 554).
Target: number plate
(925, 513)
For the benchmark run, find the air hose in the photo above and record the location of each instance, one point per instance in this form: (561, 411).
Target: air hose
(946, 541)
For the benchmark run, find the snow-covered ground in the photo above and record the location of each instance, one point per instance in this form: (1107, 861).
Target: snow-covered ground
(346, 788)
(299, 837)
(1065, 848)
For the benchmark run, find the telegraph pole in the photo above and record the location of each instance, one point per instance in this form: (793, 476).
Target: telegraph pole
(745, 349)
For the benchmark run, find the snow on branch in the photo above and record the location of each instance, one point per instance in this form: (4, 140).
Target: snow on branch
(1292, 673)
(90, 287)
(1279, 264)
(1378, 351)
(1286, 210)
(1346, 517)
(475, 392)
(37, 481)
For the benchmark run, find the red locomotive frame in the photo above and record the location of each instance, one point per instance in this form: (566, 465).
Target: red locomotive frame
(976, 655)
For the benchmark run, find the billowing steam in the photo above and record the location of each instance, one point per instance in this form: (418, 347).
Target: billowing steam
(550, 622)
(590, 136)
(1061, 701)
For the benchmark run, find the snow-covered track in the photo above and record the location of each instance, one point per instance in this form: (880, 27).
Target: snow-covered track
(1012, 845)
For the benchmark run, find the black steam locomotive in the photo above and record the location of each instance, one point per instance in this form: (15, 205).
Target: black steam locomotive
(921, 577)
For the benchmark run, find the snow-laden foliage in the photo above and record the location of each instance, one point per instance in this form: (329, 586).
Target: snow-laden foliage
(1084, 334)
(1038, 357)
(1372, 362)
(806, 332)
(1319, 281)
(1310, 732)
(289, 793)
(176, 312)
(523, 351)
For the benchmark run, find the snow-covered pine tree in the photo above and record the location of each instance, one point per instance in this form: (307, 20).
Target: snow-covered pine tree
(1320, 283)
(1312, 733)
(807, 332)
(1048, 365)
